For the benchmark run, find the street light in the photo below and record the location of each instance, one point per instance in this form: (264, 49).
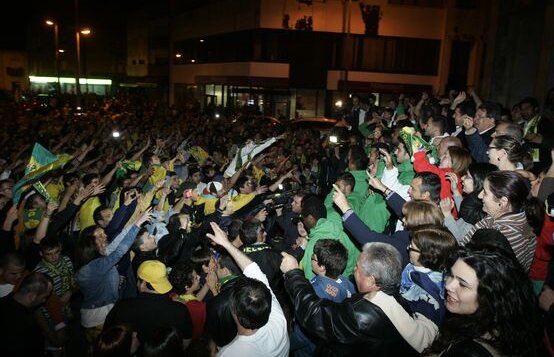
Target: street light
(85, 32)
(57, 51)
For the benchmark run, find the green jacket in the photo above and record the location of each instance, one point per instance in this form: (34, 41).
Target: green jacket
(355, 201)
(374, 213)
(406, 172)
(325, 229)
(361, 186)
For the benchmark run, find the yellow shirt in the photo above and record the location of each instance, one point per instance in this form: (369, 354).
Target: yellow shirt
(209, 204)
(242, 199)
(86, 212)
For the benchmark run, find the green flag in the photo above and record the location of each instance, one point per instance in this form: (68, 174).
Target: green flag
(415, 143)
(42, 161)
(128, 165)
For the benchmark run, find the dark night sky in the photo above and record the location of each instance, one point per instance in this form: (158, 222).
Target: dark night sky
(25, 17)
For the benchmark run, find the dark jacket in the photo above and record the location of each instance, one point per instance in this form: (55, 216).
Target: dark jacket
(466, 348)
(396, 202)
(168, 251)
(362, 234)
(20, 334)
(220, 325)
(269, 261)
(141, 257)
(352, 328)
(290, 229)
(148, 312)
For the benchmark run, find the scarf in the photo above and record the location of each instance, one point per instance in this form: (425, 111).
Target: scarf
(419, 283)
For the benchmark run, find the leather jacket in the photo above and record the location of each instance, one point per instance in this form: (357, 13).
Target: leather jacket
(352, 328)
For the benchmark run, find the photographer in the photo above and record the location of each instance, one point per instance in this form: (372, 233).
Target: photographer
(285, 219)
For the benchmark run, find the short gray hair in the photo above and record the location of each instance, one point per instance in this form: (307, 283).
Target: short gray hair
(383, 262)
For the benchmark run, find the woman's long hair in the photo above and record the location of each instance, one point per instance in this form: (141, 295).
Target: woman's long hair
(86, 249)
(507, 317)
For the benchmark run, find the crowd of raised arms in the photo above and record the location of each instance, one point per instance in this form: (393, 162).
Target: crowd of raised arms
(426, 228)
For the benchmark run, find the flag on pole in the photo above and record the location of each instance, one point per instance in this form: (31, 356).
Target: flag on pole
(42, 161)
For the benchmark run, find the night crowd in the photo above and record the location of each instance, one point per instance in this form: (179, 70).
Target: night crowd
(420, 226)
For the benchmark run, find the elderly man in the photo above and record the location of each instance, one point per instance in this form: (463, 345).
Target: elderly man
(372, 321)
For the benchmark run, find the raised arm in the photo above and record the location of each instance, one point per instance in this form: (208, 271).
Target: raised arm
(274, 186)
(220, 237)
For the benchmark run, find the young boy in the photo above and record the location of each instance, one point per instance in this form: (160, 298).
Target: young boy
(186, 284)
(55, 313)
(58, 268)
(328, 263)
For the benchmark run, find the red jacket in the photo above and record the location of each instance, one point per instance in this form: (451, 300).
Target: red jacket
(543, 255)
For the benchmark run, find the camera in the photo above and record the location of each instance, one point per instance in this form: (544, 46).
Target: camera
(280, 200)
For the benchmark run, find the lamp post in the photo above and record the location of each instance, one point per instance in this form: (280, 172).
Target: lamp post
(57, 52)
(78, 34)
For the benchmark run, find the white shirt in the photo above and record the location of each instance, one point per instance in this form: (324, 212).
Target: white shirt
(271, 340)
(5, 289)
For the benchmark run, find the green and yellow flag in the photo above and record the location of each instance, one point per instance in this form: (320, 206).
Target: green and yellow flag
(128, 165)
(199, 154)
(415, 143)
(42, 161)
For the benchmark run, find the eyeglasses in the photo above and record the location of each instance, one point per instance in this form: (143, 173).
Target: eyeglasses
(409, 248)
(493, 147)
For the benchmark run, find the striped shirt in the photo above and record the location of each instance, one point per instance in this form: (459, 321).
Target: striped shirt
(62, 274)
(516, 229)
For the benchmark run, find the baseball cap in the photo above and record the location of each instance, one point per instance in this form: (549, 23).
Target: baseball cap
(212, 188)
(154, 272)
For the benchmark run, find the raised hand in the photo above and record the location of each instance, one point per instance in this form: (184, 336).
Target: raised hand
(376, 183)
(340, 199)
(288, 263)
(387, 158)
(453, 179)
(219, 236)
(459, 98)
(51, 207)
(146, 216)
(129, 196)
(98, 189)
(468, 122)
(11, 216)
(447, 205)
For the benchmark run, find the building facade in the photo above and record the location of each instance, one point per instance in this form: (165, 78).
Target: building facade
(298, 58)
(293, 58)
